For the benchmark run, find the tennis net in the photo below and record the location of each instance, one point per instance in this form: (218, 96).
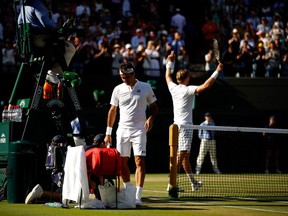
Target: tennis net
(242, 161)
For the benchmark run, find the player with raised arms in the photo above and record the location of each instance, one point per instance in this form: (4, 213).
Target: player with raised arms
(183, 99)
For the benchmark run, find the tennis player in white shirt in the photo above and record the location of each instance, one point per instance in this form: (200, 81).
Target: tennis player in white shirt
(132, 97)
(183, 99)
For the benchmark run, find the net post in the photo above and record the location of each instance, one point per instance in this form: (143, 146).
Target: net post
(173, 143)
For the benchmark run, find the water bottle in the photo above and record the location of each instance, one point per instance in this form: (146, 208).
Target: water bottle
(54, 204)
(5, 117)
(47, 90)
(60, 91)
(11, 113)
(18, 114)
(92, 194)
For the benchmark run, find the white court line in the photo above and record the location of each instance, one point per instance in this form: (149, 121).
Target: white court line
(239, 207)
(242, 207)
(256, 209)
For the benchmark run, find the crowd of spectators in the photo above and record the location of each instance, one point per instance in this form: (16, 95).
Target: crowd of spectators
(253, 35)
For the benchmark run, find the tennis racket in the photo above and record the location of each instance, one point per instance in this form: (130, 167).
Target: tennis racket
(216, 50)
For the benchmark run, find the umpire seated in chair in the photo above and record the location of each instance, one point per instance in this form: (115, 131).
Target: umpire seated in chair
(40, 35)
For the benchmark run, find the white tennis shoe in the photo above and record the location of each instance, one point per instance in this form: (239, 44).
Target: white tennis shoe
(196, 185)
(36, 193)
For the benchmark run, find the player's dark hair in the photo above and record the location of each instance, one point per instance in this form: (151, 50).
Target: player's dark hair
(126, 68)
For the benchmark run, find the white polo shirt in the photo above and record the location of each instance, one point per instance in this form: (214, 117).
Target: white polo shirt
(132, 103)
(183, 99)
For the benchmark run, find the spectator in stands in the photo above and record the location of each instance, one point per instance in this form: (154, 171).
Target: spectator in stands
(164, 48)
(77, 62)
(153, 12)
(106, 17)
(263, 26)
(279, 44)
(245, 60)
(103, 57)
(276, 31)
(277, 18)
(239, 22)
(262, 38)
(129, 55)
(118, 31)
(178, 46)
(126, 9)
(109, 32)
(228, 61)
(89, 52)
(210, 31)
(207, 145)
(94, 29)
(138, 39)
(154, 57)
(234, 41)
(142, 62)
(178, 20)
(210, 62)
(273, 60)
(83, 10)
(272, 147)
(250, 41)
(253, 19)
(117, 59)
(260, 60)
(153, 37)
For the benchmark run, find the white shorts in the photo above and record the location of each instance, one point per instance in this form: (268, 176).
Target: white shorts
(131, 138)
(185, 138)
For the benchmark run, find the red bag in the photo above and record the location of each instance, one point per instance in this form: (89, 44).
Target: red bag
(103, 161)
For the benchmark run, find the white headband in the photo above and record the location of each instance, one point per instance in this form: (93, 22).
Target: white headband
(126, 71)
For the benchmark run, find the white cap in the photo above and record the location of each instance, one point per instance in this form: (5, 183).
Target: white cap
(127, 46)
(235, 31)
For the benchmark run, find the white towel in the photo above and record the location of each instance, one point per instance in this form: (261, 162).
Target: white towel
(75, 178)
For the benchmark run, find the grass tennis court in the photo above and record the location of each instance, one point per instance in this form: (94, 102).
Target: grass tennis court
(245, 185)
(156, 202)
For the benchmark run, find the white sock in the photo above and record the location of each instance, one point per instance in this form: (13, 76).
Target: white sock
(138, 192)
(191, 177)
(126, 184)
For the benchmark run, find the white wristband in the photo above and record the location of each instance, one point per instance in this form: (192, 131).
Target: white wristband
(108, 130)
(215, 75)
(170, 65)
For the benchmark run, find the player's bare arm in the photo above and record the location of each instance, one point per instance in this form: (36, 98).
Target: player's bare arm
(170, 67)
(110, 122)
(209, 82)
(149, 122)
